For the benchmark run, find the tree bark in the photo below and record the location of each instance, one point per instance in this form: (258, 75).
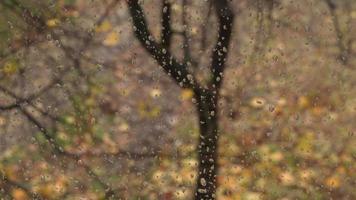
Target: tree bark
(206, 98)
(208, 146)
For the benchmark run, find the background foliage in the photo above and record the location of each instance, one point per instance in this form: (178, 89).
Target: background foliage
(71, 72)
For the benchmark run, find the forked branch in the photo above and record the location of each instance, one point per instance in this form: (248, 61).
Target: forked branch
(178, 71)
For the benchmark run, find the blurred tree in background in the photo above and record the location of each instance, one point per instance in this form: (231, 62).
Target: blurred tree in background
(130, 99)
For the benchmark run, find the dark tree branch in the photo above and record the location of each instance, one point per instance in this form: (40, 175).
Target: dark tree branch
(42, 111)
(186, 45)
(36, 23)
(344, 50)
(264, 10)
(207, 107)
(166, 32)
(56, 148)
(59, 150)
(33, 21)
(20, 103)
(220, 51)
(259, 32)
(172, 67)
(6, 180)
(204, 26)
(188, 57)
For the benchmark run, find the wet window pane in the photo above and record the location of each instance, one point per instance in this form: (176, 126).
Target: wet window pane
(177, 99)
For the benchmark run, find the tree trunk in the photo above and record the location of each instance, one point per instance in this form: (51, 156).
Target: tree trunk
(207, 147)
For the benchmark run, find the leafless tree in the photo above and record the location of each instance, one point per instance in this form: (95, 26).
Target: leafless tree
(206, 95)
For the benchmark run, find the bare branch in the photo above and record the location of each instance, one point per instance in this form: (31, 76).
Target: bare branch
(264, 10)
(36, 22)
(109, 192)
(204, 26)
(178, 71)
(6, 180)
(344, 50)
(186, 46)
(57, 148)
(20, 101)
(219, 55)
(166, 32)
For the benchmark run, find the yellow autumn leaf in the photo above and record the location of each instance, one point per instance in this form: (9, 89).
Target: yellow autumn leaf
(341, 170)
(236, 169)
(281, 102)
(188, 174)
(303, 102)
(10, 68)
(317, 111)
(2, 121)
(305, 144)
(186, 94)
(194, 30)
(46, 191)
(306, 174)
(11, 173)
(257, 102)
(142, 107)
(124, 126)
(60, 184)
(353, 14)
(276, 156)
(111, 39)
(227, 182)
(125, 92)
(155, 112)
(176, 177)
(287, 178)
(252, 196)
(52, 22)
(158, 175)
(333, 182)
(155, 93)
(69, 119)
(181, 194)
(90, 101)
(246, 176)
(110, 144)
(189, 163)
(177, 8)
(19, 194)
(103, 27)
(146, 110)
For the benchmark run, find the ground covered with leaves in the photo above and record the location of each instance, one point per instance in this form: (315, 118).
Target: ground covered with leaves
(119, 125)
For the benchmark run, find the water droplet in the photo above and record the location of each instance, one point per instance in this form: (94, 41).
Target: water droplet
(203, 182)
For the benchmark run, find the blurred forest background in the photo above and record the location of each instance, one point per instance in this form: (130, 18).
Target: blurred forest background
(86, 113)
